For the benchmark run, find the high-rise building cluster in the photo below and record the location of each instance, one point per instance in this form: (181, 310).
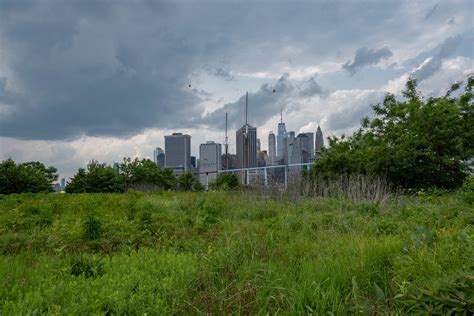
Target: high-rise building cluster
(284, 148)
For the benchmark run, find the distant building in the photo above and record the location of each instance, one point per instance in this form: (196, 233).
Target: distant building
(258, 145)
(159, 157)
(63, 183)
(309, 146)
(262, 158)
(281, 147)
(292, 151)
(229, 161)
(194, 163)
(57, 187)
(319, 142)
(271, 149)
(246, 141)
(178, 153)
(306, 143)
(210, 155)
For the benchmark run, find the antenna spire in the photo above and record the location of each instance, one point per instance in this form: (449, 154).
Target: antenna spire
(226, 144)
(246, 106)
(281, 115)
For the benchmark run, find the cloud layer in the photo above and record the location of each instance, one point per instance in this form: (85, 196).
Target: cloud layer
(80, 75)
(366, 56)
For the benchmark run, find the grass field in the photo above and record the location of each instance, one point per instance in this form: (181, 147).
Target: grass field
(221, 253)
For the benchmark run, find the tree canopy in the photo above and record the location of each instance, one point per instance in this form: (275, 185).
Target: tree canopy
(103, 178)
(30, 176)
(416, 142)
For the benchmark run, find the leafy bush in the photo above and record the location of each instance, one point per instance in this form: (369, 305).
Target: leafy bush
(97, 178)
(187, 182)
(87, 266)
(130, 174)
(91, 228)
(26, 177)
(225, 181)
(415, 143)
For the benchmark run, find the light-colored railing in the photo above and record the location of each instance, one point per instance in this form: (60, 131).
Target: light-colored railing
(247, 173)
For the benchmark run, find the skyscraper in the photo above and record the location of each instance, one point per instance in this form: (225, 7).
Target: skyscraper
(246, 141)
(281, 148)
(159, 157)
(210, 155)
(258, 145)
(319, 143)
(178, 152)
(307, 146)
(271, 149)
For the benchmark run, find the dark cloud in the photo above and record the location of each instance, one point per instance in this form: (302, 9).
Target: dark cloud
(262, 105)
(223, 73)
(75, 75)
(432, 11)
(312, 88)
(366, 56)
(434, 63)
(117, 67)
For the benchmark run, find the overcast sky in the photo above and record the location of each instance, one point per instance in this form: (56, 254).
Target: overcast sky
(83, 80)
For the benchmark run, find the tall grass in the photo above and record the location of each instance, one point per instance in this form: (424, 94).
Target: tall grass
(223, 253)
(355, 187)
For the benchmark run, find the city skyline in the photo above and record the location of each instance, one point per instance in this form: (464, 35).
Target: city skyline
(109, 79)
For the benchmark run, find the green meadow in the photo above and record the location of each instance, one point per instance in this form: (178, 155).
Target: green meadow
(226, 252)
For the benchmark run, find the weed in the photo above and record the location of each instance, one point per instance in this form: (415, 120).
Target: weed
(91, 228)
(87, 266)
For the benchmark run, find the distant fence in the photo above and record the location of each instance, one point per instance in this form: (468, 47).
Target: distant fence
(259, 175)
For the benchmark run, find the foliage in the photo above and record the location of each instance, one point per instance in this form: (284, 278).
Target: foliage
(225, 181)
(228, 253)
(146, 171)
(91, 228)
(415, 143)
(86, 266)
(187, 182)
(97, 178)
(103, 178)
(26, 177)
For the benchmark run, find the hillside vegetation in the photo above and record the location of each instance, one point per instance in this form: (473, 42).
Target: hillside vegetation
(191, 253)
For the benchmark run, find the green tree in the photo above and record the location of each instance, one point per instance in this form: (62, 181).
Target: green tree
(225, 181)
(187, 182)
(98, 178)
(78, 183)
(26, 177)
(415, 143)
(146, 171)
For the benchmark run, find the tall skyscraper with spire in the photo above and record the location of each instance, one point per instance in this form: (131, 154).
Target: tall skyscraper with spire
(271, 149)
(246, 142)
(319, 143)
(281, 147)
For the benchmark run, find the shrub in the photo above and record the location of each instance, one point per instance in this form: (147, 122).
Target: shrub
(187, 182)
(89, 267)
(26, 177)
(91, 228)
(225, 181)
(415, 143)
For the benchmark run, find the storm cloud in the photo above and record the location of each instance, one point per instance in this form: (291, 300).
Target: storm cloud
(117, 68)
(432, 64)
(264, 103)
(366, 56)
(102, 79)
